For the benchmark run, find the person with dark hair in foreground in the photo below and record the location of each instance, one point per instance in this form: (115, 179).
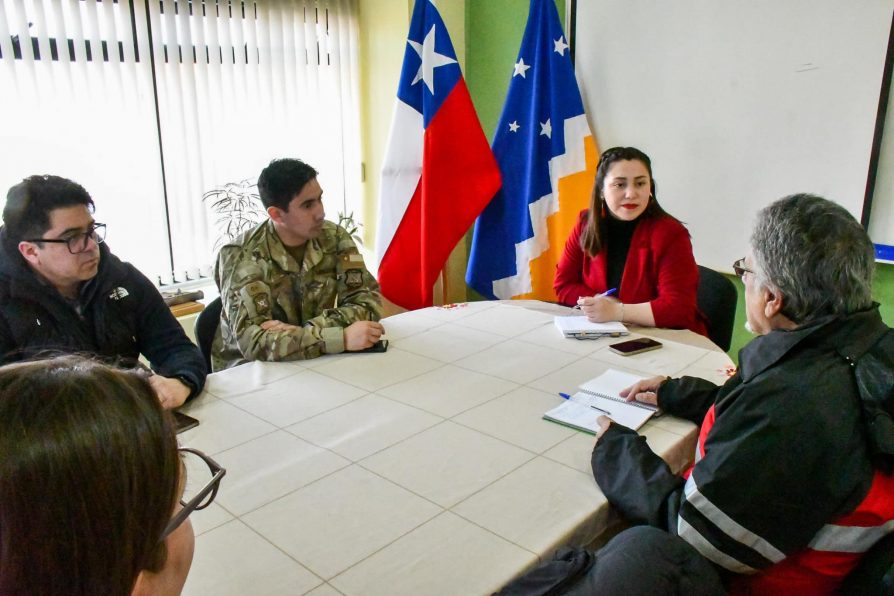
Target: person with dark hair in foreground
(793, 478)
(63, 291)
(91, 483)
(627, 259)
(295, 286)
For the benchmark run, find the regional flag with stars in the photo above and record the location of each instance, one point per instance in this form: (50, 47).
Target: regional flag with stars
(547, 156)
(438, 172)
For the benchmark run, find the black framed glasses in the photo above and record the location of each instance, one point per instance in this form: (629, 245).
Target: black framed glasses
(201, 486)
(78, 243)
(739, 268)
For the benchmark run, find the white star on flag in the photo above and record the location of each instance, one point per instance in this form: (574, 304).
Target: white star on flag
(430, 60)
(513, 126)
(560, 46)
(520, 68)
(546, 129)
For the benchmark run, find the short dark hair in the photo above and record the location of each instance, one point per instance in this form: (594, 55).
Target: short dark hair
(29, 203)
(592, 237)
(281, 180)
(816, 254)
(89, 476)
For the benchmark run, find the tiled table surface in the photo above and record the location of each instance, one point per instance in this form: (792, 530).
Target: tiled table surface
(423, 470)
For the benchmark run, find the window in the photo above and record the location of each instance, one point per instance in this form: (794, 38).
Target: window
(151, 104)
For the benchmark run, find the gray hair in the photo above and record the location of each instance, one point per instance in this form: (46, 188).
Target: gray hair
(816, 255)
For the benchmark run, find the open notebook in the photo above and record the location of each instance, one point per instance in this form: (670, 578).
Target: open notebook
(578, 327)
(599, 397)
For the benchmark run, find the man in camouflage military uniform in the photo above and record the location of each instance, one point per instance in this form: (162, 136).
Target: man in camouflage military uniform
(295, 286)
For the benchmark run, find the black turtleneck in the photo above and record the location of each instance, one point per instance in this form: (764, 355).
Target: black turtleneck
(617, 244)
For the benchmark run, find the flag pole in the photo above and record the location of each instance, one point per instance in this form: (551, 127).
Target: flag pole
(444, 292)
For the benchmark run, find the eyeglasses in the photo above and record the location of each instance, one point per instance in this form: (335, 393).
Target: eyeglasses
(195, 500)
(739, 268)
(78, 243)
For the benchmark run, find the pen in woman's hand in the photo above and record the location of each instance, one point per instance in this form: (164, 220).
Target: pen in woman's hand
(602, 295)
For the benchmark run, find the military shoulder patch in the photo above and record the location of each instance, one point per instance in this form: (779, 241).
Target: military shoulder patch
(353, 278)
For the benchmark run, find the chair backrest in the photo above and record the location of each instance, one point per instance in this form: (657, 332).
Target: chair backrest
(717, 297)
(206, 327)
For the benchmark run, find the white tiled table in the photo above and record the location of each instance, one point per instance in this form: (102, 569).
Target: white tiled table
(423, 470)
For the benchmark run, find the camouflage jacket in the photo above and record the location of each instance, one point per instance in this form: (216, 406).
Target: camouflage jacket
(259, 281)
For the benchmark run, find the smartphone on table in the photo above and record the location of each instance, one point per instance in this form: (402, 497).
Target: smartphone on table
(184, 422)
(379, 346)
(635, 346)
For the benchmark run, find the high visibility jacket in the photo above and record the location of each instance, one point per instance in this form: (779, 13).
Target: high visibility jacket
(786, 489)
(832, 553)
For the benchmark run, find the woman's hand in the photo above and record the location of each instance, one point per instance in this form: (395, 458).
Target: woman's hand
(645, 391)
(600, 309)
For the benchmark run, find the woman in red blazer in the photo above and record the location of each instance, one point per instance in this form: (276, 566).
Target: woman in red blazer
(627, 247)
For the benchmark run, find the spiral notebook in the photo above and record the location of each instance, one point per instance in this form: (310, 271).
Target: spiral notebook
(579, 327)
(599, 397)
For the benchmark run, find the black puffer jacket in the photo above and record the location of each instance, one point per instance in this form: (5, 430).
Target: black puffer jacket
(122, 316)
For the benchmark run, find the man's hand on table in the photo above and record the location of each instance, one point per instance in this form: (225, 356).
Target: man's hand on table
(645, 391)
(603, 422)
(171, 392)
(358, 335)
(362, 334)
(274, 325)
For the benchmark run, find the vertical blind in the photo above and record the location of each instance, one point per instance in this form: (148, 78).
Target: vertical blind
(151, 103)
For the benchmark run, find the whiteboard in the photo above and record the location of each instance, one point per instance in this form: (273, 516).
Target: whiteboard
(737, 103)
(881, 218)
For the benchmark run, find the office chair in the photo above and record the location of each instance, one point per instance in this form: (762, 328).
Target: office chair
(717, 297)
(206, 327)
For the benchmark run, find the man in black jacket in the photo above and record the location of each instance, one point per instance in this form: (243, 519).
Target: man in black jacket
(63, 290)
(792, 480)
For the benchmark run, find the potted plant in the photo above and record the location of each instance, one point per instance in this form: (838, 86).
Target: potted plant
(352, 226)
(237, 206)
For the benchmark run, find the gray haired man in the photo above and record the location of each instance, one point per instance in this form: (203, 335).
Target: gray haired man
(792, 480)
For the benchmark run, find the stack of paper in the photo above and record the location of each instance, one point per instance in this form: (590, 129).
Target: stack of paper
(579, 327)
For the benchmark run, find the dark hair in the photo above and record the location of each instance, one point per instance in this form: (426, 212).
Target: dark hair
(89, 476)
(281, 180)
(816, 254)
(593, 236)
(29, 203)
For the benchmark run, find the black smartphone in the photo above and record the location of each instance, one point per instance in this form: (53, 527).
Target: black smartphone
(635, 346)
(184, 422)
(379, 346)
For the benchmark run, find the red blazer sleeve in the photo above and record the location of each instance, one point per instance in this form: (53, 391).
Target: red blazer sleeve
(569, 282)
(676, 275)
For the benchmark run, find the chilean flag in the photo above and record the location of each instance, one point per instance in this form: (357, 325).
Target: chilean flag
(438, 173)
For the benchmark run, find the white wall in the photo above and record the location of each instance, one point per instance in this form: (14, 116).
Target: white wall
(737, 103)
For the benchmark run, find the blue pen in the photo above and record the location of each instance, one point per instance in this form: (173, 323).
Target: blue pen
(564, 396)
